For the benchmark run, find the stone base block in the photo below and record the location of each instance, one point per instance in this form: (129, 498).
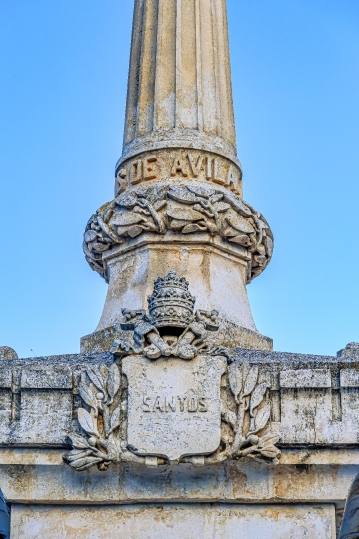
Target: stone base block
(174, 521)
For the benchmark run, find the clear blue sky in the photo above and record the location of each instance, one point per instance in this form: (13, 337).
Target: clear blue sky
(63, 83)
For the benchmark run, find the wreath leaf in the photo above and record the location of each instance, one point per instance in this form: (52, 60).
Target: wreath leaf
(221, 206)
(78, 441)
(204, 192)
(87, 396)
(188, 229)
(125, 219)
(240, 223)
(180, 194)
(96, 378)
(235, 375)
(257, 396)
(270, 452)
(113, 381)
(115, 419)
(77, 454)
(87, 423)
(262, 418)
(251, 380)
(84, 463)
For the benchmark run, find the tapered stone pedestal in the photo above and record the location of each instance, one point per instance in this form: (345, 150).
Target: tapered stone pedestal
(218, 279)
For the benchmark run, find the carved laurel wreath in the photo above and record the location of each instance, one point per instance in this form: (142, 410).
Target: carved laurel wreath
(252, 415)
(104, 422)
(98, 388)
(183, 210)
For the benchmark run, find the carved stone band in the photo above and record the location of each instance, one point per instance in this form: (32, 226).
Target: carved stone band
(187, 210)
(181, 164)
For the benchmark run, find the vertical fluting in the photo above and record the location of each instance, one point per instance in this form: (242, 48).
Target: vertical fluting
(165, 83)
(198, 56)
(145, 106)
(186, 88)
(179, 77)
(134, 74)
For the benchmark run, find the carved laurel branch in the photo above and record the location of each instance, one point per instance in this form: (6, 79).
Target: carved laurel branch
(183, 210)
(252, 415)
(98, 388)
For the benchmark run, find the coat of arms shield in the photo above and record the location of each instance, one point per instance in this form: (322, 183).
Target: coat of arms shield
(174, 406)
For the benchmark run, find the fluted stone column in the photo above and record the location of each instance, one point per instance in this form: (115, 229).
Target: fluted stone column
(179, 91)
(178, 190)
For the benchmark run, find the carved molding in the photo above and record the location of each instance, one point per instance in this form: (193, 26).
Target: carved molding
(183, 210)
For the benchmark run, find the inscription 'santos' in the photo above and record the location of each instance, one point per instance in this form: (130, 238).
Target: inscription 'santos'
(174, 404)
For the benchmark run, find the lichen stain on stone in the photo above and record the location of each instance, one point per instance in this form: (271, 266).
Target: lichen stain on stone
(20, 479)
(161, 515)
(238, 481)
(272, 513)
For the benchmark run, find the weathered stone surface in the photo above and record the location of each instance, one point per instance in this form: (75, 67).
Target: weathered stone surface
(39, 377)
(6, 378)
(174, 407)
(351, 351)
(173, 521)
(7, 353)
(42, 478)
(305, 378)
(349, 377)
(320, 454)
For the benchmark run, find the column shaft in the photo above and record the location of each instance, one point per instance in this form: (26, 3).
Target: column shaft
(179, 79)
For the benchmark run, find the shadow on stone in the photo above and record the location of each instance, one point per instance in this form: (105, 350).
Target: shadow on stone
(350, 526)
(4, 518)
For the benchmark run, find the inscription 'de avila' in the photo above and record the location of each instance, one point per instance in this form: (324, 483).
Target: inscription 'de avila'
(188, 166)
(174, 404)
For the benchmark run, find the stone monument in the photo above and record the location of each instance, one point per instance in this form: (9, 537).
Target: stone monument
(178, 190)
(177, 419)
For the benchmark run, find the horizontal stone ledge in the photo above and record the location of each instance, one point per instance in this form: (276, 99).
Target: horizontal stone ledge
(31, 456)
(201, 241)
(294, 361)
(175, 520)
(324, 456)
(295, 371)
(234, 482)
